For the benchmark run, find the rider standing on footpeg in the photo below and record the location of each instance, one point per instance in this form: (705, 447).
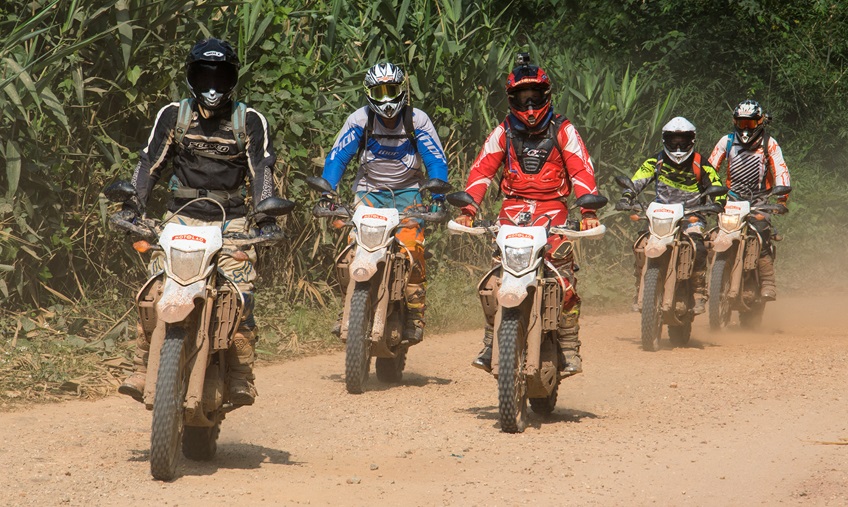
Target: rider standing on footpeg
(215, 145)
(544, 161)
(390, 140)
(680, 173)
(754, 164)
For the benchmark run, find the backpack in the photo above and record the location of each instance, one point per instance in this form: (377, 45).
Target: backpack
(369, 131)
(185, 114)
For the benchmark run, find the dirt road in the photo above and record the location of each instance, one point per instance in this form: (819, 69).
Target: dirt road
(734, 419)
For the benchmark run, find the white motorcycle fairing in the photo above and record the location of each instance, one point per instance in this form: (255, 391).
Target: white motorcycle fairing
(189, 251)
(374, 231)
(663, 222)
(517, 244)
(730, 224)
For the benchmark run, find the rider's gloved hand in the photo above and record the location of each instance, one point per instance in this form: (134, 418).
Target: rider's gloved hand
(128, 214)
(269, 228)
(624, 204)
(783, 208)
(438, 204)
(326, 202)
(590, 221)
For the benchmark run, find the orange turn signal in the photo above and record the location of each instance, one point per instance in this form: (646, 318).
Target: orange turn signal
(693, 219)
(634, 217)
(338, 223)
(141, 246)
(759, 216)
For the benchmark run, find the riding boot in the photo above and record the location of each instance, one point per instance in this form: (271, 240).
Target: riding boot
(133, 386)
(416, 302)
(765, 267)
(484, 358)
(337, 327)
(569, 344)
(699, 288)
(240, 358)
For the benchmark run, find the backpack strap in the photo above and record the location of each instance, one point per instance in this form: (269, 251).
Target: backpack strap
(366, 133)
(766, 150)
(409, 127)
(184, 117)
(730, 137)
(696, 166)
(238, 121)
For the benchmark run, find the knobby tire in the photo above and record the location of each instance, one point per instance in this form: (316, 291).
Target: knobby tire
(167, 426)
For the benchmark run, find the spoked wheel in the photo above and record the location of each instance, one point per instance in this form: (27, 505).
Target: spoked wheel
(719, 289)
(545, 406)
(652, 296)
(200, 443)
(390, 369)
(167, 427)
(512, 389)
(357, 358)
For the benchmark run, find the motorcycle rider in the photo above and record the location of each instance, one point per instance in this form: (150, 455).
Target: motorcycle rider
(544, 161)
(680, 173)
(215, 145)
(754, 163)
(390, 141)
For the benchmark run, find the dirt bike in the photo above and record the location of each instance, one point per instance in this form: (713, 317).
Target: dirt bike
(192, 312)
(529, 302)
(374, 268)
(665, 293)
(736, 246)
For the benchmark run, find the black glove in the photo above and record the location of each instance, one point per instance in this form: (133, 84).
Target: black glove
(624, 204)
(783, 208)
(128, 214)
(269, 229)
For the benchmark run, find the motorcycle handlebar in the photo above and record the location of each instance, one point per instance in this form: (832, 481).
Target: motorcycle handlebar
(148, 229)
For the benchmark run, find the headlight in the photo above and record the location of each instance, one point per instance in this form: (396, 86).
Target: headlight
(518, 259)
(661, 226)
(729, 223)
(186, 265)
(371, 236)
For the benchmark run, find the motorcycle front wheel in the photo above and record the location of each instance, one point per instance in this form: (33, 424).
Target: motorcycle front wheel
(652, 297)
(512, 389)
(357, 359)
(719, 287)
(167, 427)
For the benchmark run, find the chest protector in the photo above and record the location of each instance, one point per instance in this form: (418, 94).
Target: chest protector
(534, 163)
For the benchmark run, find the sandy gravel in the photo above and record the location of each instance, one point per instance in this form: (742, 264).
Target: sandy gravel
(736, 418)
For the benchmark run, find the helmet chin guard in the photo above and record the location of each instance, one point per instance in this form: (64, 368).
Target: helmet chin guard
(212, 68)
(678, 137)
(748, 122)
(386, 89)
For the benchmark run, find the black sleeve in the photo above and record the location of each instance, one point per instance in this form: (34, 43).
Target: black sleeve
(156, 153)
(260, 156)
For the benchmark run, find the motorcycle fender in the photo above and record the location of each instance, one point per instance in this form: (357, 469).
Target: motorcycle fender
(724, 240)
(364, 264)
(656, 247)
(177, 300)
(513, 289)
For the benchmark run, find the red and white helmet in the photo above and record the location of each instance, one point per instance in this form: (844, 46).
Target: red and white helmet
(385, 89)
(528, 89)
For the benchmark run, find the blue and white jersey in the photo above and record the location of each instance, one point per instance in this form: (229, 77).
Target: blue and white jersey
(387, 163)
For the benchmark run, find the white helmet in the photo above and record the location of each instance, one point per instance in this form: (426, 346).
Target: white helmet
(385, 88)
(678, 137)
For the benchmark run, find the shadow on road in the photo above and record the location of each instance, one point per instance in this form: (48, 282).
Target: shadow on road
(230, 456)
(409, 380)
(533, 420)
(665, 344)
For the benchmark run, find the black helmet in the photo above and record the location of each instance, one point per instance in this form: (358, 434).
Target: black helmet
(212, 72)
(748, 121)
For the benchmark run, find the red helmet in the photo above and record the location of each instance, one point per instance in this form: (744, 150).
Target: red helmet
(528, 90)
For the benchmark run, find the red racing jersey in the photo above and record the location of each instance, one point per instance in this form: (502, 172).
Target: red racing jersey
(548, 168)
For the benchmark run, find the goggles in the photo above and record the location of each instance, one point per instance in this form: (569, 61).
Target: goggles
(384, 92)
(528, 98)
(678, 143)
(216, 76)
(747, 123)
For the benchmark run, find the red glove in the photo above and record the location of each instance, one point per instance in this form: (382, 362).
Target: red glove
(590, 221)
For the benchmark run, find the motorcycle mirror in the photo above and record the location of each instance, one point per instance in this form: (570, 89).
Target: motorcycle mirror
(460, 199)
(716, 191)
(274, 207)
(320, 184)
(780, 190)
(591, 201)
(436, 186)
(120, 191)
(625, 183)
